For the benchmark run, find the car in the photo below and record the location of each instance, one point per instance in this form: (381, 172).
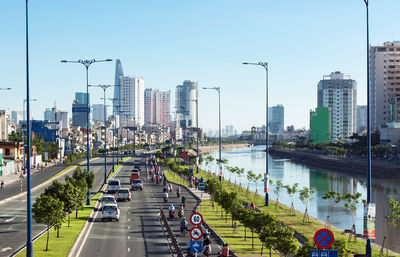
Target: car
(124, 194)
(107, 199)
(110, 212)
(136, 162)
(134, 175)
(137, 184)
(113, 185)
(137, 167)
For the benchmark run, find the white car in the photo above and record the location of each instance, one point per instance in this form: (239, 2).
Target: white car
(113, 185)
(137, 185)
(107, 199)
(124, 194)
(110, 212)
(136, 162)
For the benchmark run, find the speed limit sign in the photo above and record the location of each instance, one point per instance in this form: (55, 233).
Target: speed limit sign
(196, 233)
(196, 219)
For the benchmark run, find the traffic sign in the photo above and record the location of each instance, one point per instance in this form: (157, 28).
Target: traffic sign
(195, 247)
(324, 239)
(324, 253)
(196, 233)
(201, 186)
(196, 218)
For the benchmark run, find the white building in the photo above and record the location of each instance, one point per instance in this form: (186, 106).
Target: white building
(185, 97)
(148, 109)
(361, 118)
(341, 95)
(132, 99)
(98, 112)
(385, 84)
(161, 107)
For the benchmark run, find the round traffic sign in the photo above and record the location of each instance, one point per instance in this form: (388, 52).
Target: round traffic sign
(196, 233)
(196, 218)
(324, 238)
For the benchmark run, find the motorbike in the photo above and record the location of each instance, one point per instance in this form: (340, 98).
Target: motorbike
(165, 199)
(171, 214)
(181, 213)
(178, 193)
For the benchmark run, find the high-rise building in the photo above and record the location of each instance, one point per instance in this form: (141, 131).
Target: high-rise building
(185, 104)
(4, 130)
(321, 125)
(98, 112)
(276, 119)
(17, 116)
(161, 107)
(49, 114)
(340, 95)
(148, 105)
(361, 118)
(118, 73)
(79, 110)
(81, 98)
(385, 84)
(132, 99)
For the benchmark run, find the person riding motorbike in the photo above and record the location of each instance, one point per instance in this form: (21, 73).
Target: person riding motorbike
(178, 192)
(171, 211)
(181, 212)
(184, 224)
(165, 197)
(207, 246)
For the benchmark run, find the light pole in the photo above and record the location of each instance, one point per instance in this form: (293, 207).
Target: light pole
(197, 133)
(218, 89)
(265, 65)
(23, 113)
(29, 252)
(113, 100)
(87, 64)
(104, 87)
(368, 249)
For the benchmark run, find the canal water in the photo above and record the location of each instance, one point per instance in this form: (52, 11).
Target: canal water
(289, 172)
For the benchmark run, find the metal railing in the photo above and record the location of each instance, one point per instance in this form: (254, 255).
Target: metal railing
(171, 234)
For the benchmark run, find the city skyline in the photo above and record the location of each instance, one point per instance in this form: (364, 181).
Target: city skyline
(207, 51)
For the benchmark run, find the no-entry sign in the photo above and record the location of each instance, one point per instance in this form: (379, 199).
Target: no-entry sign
(324, 238)
(196, 218)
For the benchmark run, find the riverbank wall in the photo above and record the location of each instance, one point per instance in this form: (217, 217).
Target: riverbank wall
(345, 165)
(224, 147)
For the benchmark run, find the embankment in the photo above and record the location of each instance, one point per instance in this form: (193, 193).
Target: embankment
(338, 164)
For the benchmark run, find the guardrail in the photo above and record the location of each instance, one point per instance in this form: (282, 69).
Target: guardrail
(171, 234)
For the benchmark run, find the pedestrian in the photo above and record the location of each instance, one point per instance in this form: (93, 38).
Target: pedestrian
(253, 206)
(225, 250)
(2, 184)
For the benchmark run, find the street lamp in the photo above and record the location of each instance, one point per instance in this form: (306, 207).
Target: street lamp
(113, 100)
(197, 133)
(265, 65)
(87, 63)
(368, 249)
(218, 89)
(23, 113)
(104, 87)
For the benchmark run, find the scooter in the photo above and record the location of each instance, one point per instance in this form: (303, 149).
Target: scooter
(165, 199)
(178, 193)
(181, 213)
(171, 214)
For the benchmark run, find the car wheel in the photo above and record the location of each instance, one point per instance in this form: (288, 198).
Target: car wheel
(102, 220)
(141, 189)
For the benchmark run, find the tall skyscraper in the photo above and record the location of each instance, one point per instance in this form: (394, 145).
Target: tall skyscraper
(185, 106)
(385, 84)
(81, 98)
(276, 119)
(98, 112)
(49, 114)
(340, 95)
(161, 107)
(118, 73)
(132, 99)
(361, 118)
(321, 125)
(148, 105)
(79, 110)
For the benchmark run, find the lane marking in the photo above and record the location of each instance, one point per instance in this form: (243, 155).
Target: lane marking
(129, 227)
(10, 219)
(129, 249)
(24, 220)
(5, 249)
(9, 228)
(129, 219)
(129, 237)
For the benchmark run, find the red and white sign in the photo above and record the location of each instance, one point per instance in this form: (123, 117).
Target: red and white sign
(324, 238)
(196, 233)
(196, 218)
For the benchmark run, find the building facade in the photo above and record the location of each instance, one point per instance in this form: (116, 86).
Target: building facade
(385, 84)
(185, 97)
(340, 95)
(276, 119)
(81, 98)
(161, 107)
(132, 99)
(361, 118)
(321, 125)
(148, 106)
(118, 73)
(99, 112)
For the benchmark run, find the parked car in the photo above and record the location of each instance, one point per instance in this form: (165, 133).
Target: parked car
(113, 185)
(124, 194)
(107, 199)
(110, 212)
(137, 185)
(136, 162)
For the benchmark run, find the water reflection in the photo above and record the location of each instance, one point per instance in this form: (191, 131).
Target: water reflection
(323, 181)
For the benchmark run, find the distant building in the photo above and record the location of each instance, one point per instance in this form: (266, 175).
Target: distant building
(230, 130)
(132, 99)
(290, 128)
(276, 119)
(160, 106)
(16, 116)
(49, 114)
(79, 115)
(185, 105)
(148, 105)
(4, 131)
(81, 98)
(385, 84)
(340, 95)
(99, 112)
(118, 74)
(321, 125)
(361, 118)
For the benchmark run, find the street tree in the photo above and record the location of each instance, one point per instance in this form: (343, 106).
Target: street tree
(240, 173)
(257, 179)
(334, 198)
(306, 195)
(250, 178)
(278, 187)
(49, 211)
(291, 191)
(81, 191)
(393, 220)
(351, 204)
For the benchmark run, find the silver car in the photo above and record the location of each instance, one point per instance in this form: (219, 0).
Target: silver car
(124, 194)
(137, 185)
(110, 212)
(107, 199)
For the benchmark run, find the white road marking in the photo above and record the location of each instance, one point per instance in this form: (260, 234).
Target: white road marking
(10, 219)
(5, 249)
(129, 237)
(24, 220)
(129, 219)
(9, 228)
(129, 249)
(129, 227)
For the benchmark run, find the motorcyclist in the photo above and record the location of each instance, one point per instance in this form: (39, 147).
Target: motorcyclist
(183, 200)
(207, 246)
(184, 224)
(178, 192)
(165, 196)
(171, 210)
(181, 211)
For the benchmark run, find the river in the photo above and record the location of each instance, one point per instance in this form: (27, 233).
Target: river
(289, 172)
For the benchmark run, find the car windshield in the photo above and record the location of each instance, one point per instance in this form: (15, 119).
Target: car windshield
(135, 170)
(113, 183)
(109, 208)
(108, 199)
(124, 191)
(137, 181)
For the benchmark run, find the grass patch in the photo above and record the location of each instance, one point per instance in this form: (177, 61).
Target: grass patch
(173, 177)
(61, 246)
(61, 172)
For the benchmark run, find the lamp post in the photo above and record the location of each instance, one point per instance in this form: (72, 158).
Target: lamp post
(87, 64)
(104, 87)
(265, 65)
(368, 249)
(113, 100)
(197, 133)
(218, 89)
(29, 252)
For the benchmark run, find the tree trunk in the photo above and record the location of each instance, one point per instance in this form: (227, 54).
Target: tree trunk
(76, 213)
(252, 239)
(277, 203)
(58, 232)
(69, 219)
(245, 234)
(47, 241)
(270, 252)
(384, 241)
(262, 248)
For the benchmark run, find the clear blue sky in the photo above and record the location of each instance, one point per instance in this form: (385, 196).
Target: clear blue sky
(167, 42)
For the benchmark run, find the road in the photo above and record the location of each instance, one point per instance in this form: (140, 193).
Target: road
(13, 213)
(138, 232)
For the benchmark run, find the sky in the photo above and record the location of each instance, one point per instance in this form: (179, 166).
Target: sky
(167, 42)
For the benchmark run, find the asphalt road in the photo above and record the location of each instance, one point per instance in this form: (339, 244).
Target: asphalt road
(13, 213)
(138, 232)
